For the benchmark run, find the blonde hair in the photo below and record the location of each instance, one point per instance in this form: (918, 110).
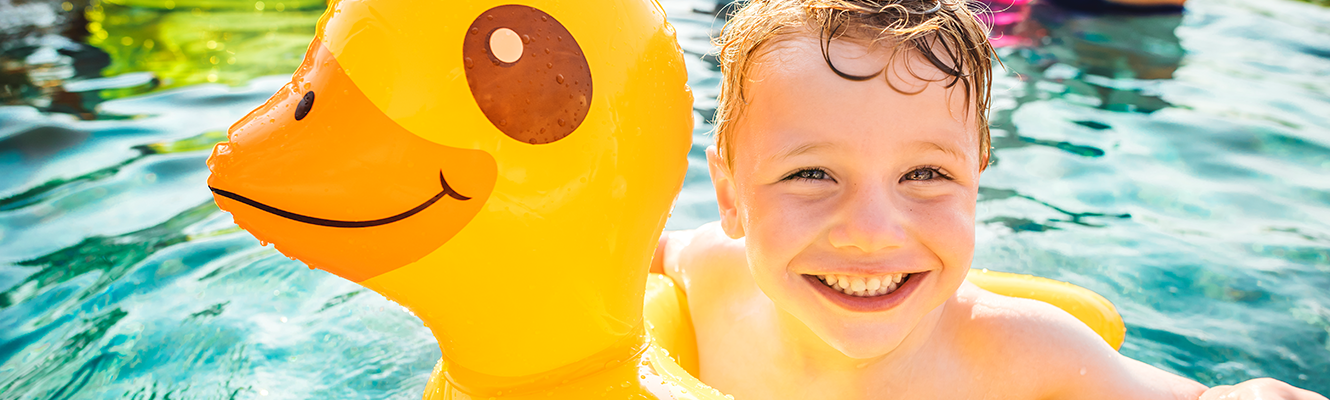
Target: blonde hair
(920, 25)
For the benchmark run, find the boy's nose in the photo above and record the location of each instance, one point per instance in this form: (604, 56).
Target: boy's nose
(870, 221)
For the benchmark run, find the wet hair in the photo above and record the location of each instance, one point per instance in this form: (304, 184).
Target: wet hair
(947, 33)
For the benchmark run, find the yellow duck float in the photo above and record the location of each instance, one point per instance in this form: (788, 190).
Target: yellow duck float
(504, 172)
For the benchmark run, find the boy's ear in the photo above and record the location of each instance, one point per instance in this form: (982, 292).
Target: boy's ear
(984, 159)
(726, 193)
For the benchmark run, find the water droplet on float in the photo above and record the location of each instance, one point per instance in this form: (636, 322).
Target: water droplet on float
(526, 39)
(263, 243)
(561, 122)
(467, 61)
(544, 18)
(475, 31)
(549, 65)
(559, 78)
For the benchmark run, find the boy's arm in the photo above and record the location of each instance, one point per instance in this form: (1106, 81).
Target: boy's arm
(1255, 389)
(1262, 388)
(1056, 356)
(1086, 368)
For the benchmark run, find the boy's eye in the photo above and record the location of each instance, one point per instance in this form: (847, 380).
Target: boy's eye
(809, 174)
(924, 174)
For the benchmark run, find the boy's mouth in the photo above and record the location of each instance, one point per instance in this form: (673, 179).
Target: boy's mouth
(858, 293)
(859, 286)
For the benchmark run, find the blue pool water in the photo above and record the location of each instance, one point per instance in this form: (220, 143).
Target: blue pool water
(1178, 165)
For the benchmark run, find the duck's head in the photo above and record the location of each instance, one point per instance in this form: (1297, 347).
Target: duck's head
(503, 170)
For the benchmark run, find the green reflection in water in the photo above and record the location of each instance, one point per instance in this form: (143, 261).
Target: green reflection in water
(187, 42)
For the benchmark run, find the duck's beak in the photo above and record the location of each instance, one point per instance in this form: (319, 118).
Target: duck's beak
(323, 174)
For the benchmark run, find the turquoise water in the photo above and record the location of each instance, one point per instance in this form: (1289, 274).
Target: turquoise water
(1178, 165)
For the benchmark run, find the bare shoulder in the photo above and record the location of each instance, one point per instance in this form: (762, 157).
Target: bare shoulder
(1021, 329)
(1053, 354)
(702, 255)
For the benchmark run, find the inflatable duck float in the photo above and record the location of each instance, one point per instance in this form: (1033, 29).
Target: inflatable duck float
(501, 170)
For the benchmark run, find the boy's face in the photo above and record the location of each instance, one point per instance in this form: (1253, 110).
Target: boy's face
(857, 180)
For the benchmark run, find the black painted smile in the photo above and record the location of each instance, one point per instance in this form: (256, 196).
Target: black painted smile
(445, 191)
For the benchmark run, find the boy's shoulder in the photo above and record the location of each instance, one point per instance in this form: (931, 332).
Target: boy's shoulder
(1018, 321)
(705, 250)
(1042, 347)
(1032, 346)
(708, 263)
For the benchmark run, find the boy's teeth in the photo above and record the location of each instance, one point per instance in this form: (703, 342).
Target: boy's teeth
(857, 285)
(863, 287)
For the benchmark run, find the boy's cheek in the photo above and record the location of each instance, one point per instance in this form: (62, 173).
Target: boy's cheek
(947, 229)
(780, 217)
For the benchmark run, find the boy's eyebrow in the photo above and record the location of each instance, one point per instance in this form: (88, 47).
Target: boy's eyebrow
(801, 149)
(927, 145)
(922, 145)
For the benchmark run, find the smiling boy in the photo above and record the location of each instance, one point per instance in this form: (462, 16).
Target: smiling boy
(850, 140)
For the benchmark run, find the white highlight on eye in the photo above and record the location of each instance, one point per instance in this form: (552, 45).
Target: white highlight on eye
(505, 45)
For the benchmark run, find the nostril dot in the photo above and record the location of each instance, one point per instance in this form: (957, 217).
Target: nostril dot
(505, 45)
(305, 105)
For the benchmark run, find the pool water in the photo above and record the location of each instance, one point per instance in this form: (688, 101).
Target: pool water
(1177, 164)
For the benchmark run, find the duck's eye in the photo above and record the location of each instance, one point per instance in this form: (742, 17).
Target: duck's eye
(306, 104)
(527, 73)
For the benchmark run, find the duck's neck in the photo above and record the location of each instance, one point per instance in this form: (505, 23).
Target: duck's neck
(626, 354)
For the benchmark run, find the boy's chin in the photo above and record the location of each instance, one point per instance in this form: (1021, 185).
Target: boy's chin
(865, 342)
(874, 336)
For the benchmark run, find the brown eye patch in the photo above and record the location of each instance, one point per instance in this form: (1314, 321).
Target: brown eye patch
(527, 73)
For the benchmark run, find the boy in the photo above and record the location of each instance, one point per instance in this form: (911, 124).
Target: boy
(850, 139)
